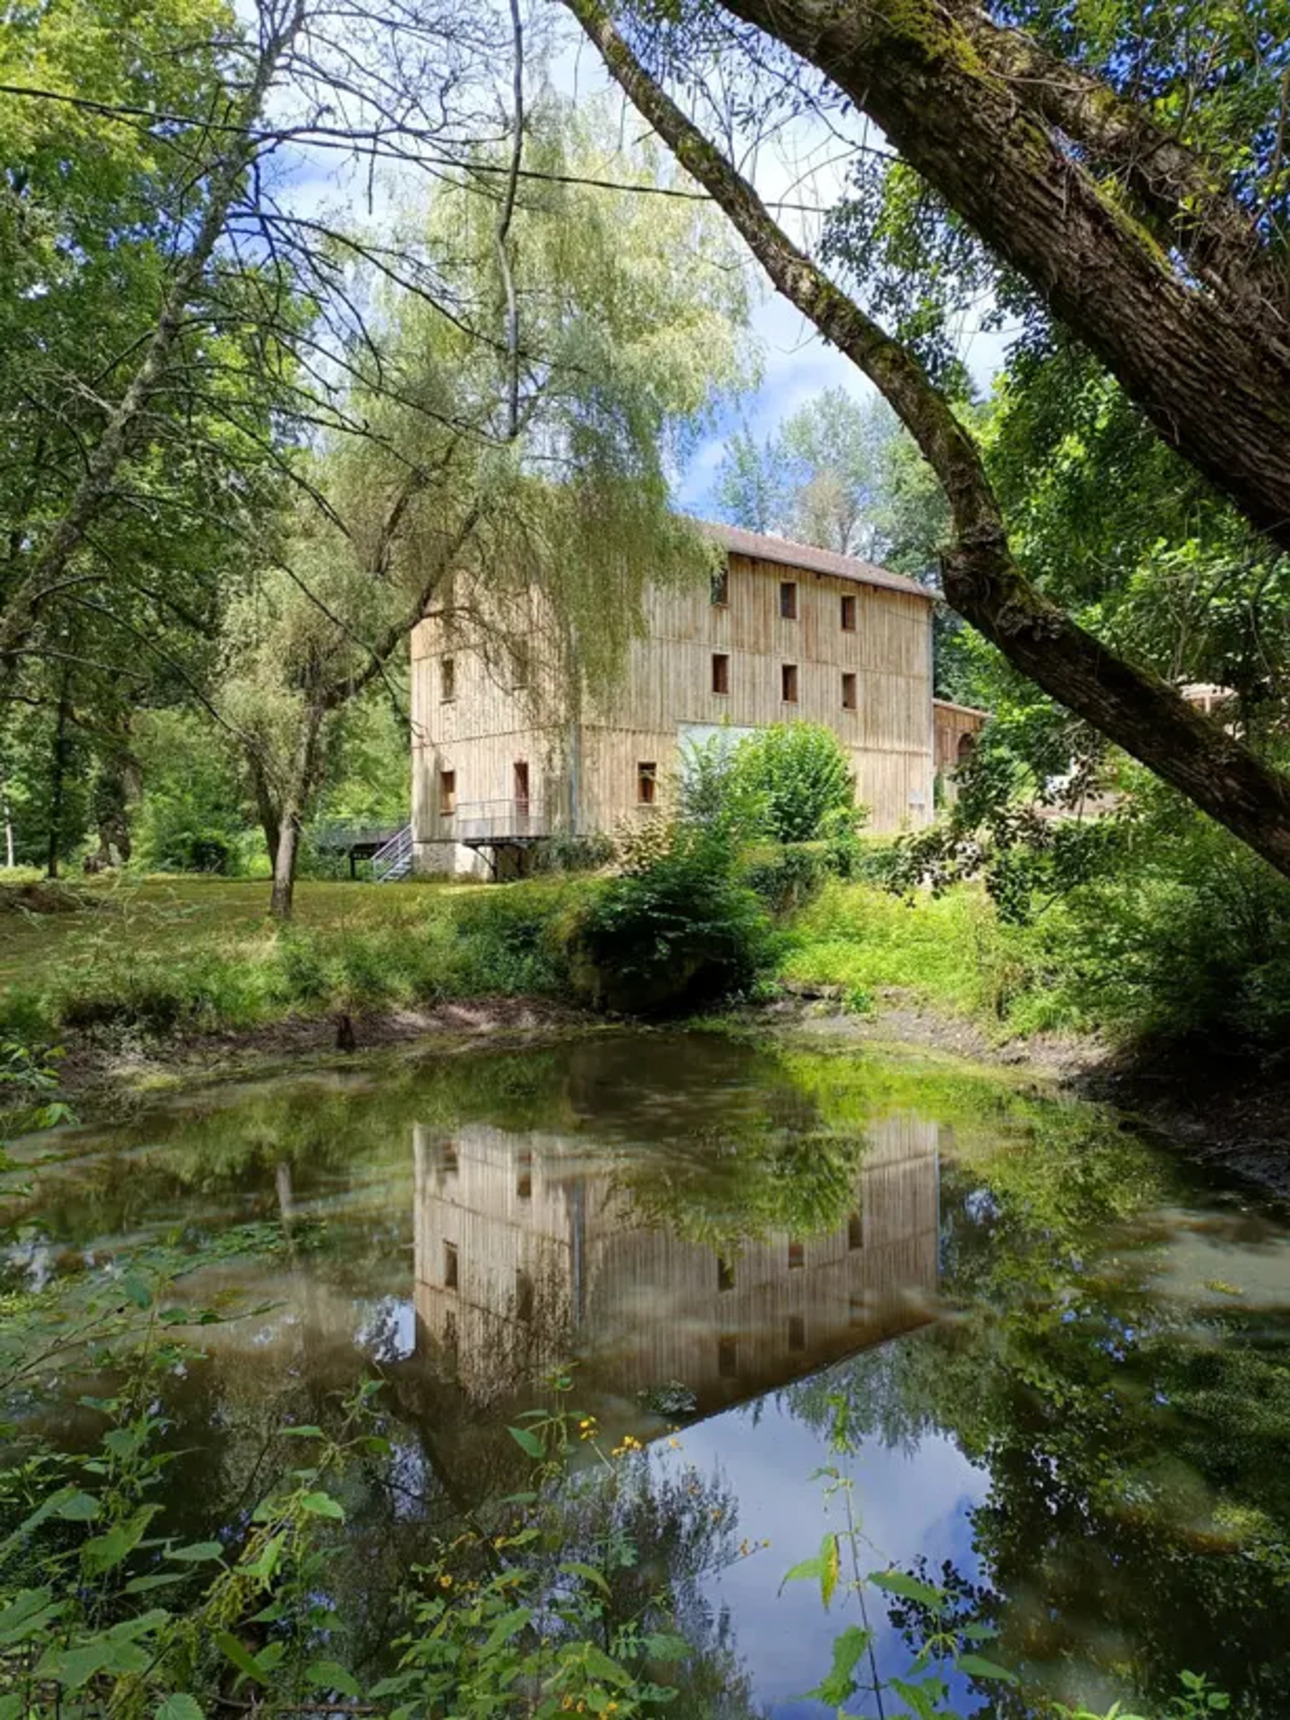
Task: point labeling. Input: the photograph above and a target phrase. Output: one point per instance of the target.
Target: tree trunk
(983, 583)
(266, 807)
(282, 897)
(295, 803)
(1201, 346)
(59, 787)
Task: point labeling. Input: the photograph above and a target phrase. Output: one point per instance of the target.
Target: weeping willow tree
(506, 465)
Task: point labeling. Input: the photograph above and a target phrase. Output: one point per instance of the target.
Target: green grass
(949, 951)
(175, 954)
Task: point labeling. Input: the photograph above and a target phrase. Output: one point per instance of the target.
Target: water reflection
(1064, 1358)
(524, 1255)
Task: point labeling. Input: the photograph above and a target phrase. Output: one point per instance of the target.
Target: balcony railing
(495, 821)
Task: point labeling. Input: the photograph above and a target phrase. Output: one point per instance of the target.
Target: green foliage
(802, 776)
(160, 974)
(680, 931)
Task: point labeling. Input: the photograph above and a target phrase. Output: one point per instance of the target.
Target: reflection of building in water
(524, 1256)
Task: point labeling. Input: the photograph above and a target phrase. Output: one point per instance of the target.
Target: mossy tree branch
(982, 581)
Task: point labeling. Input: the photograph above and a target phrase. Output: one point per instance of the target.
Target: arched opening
(967, 746)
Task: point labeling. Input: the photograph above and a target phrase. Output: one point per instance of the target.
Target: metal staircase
(393, 860)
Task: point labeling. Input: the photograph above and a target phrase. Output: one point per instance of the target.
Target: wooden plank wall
(643, 1306)
(668, 686)
(479, 734)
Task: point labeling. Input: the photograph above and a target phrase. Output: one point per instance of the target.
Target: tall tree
(516, 481)
(819, 478)
(925, 53)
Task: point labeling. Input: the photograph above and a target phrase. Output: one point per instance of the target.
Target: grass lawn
(172, 917)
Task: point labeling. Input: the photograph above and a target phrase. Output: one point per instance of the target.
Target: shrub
(677, 933)
(801, 776)
(786, 878)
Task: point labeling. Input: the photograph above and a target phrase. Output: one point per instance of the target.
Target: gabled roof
(759, 547)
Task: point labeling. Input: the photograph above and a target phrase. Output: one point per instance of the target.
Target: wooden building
(526, 1254)
(956, 729)
(787, 632)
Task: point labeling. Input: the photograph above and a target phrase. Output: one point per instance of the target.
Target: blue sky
(804, 162)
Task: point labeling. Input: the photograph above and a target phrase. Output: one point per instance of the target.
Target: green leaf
(322, 1505)
(244, 1662)
(103, 1553)
(527, 1441)
(505, 1628)
(180, 1706)
(922, 1699)
(137, 1290)
(141, 1585)
(840, 1685)
(976, 1666)
(307, 1432)
(78, 1508)
(331, 1675)
(808, 1571)
(599, 1665)
(659, 1645)
(576, 1568)
(73, 1667)
(830, 1565)
(908, 1588)
(27, 1615)
(197, 1552)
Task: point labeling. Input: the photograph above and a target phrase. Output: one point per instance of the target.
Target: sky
(806, 164)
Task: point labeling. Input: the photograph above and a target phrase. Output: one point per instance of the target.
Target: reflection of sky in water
(1095, 1273)
(908, 1503)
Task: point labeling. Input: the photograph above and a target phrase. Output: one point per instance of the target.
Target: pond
(1057, 1352)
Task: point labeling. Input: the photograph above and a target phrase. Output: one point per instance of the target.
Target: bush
(679, 932)
(786, 878)
(801, 775)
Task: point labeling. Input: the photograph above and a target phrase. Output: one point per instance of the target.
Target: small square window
(855, 1231)
(796, 1332)
(725, 1273)
(720, 672)
(721, 586)
(646, 783)
(448, 679)
(728, 1357)
(450, 1265)
(848, 614)
(848, 692)
(788, 683)
(448, 1158)
(447, 793)
(788, 600)
(796, 1256)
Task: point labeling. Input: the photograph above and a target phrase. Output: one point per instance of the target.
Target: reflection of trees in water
(1138, 1514)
